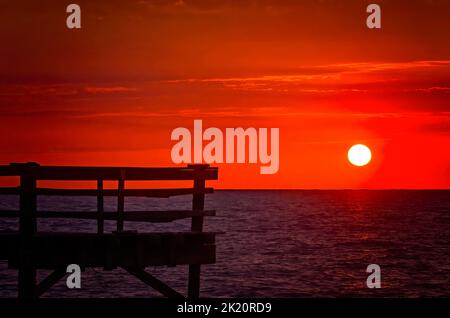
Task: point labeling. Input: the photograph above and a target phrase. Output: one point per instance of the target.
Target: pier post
(100, 206)
(27, 229)
(198, 203)
(120, 201)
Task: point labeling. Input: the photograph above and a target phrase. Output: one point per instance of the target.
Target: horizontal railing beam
(136, 216)
(111, 173)
(9, 190)
(156, 193)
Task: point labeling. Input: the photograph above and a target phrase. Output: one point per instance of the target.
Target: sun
(359, 155)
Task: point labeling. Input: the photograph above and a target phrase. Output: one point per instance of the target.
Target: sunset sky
(112, 92)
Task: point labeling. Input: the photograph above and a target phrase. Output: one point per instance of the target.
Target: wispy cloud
(62, 90)
(434, 89)
(313, 78)
(109, 90)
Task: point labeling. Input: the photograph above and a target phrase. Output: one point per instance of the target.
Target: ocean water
(284, 244)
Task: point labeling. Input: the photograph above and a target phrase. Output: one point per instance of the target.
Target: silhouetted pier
(29, 250)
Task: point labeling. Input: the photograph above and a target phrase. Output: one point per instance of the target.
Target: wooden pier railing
(29, 249)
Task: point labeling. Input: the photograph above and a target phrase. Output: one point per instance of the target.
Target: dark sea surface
(283, 244)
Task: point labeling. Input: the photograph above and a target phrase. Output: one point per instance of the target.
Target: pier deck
(29, 250)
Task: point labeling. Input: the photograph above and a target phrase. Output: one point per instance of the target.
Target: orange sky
(112, 92)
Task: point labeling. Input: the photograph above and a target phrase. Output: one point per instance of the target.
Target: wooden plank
(9, 190)
(136, 216)
(7, 171)
(14, 235)
(156, 193)
(153, 282)
(56, 250)
(16, 169)
(112, 173)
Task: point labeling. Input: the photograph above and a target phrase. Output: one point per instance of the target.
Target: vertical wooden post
(120, 201)
(27, 229)
(100, 206)
(198, 203)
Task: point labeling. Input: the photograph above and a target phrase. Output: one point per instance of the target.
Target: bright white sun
(359, 155)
